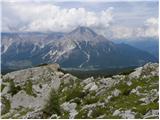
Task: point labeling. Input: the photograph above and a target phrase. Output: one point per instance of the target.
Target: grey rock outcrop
(26, 93)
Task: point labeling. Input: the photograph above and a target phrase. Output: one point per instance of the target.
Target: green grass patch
(2, 87)
(90, 100)
(82, 114)
(74, 92)
(6, 104)
(13, 89)
(28, 88)
(143, 109)
(52, 105)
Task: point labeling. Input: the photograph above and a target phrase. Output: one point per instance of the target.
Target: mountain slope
(81, 48)
(150, 45)
(46, 92)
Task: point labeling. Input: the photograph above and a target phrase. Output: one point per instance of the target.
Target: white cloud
(121, 32)
(43, 17)
(48, 17)
(152, 27)
(152, 21)
(149, 29)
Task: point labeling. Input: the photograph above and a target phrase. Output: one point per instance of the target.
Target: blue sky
(118, 19)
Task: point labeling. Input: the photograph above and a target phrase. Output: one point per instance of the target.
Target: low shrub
(28, 88)
(52, 105)
(91, 100)
(13, 89)
(74, 92)
(6, 104)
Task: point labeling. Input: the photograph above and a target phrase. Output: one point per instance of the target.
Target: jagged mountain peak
(82, 30)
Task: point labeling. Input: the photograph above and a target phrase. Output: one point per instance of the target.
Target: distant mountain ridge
(81, 48)
(148, 44)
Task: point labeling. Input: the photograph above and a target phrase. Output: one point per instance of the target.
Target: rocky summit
(47, 92)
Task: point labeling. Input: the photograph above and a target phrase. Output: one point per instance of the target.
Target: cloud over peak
(114, 21)
(49, 17)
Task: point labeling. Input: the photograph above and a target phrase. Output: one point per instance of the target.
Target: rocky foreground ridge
(46, 92)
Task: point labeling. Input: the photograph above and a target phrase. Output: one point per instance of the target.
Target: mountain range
(81, 48)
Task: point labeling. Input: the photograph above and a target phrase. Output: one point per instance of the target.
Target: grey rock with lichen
(117, 96)
(116, 92)
(152, 114)
(71, 108)
(34, 115)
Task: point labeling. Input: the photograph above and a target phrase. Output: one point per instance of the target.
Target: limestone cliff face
(47, 92)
